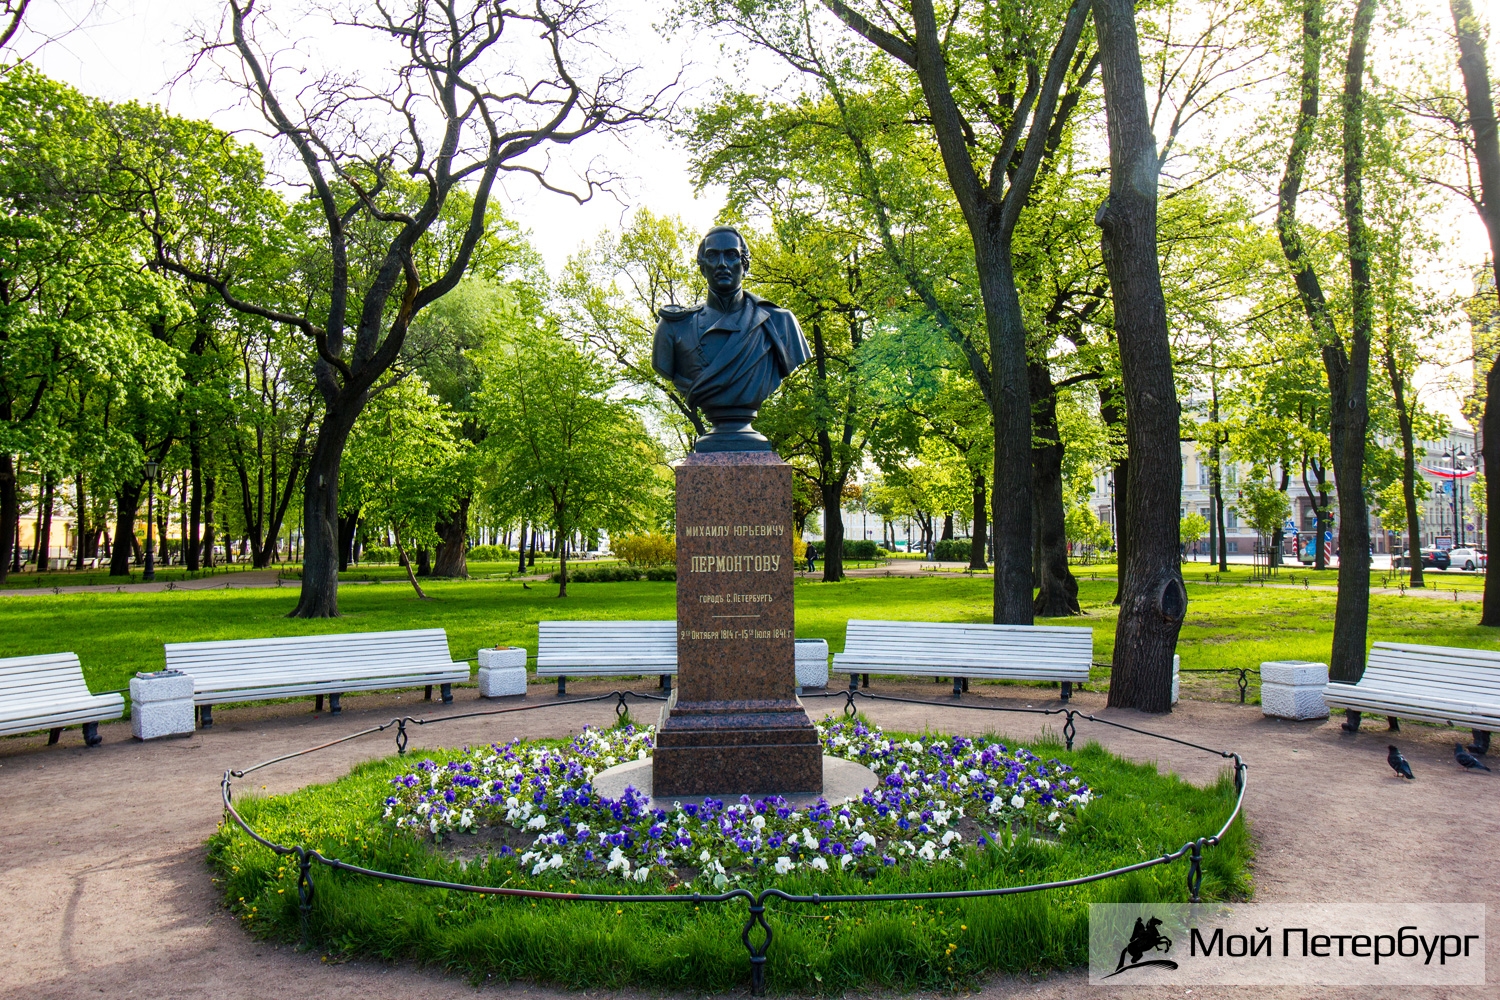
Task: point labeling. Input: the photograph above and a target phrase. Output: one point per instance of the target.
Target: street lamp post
(1457, 462)
(151, 469)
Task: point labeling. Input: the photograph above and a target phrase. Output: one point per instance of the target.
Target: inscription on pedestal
(735, 724)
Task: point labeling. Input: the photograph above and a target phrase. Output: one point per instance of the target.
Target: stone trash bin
(161, 704)
(1293, 689)
(502, 672)
(812, 663)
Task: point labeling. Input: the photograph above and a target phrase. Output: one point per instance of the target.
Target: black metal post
(149, 573)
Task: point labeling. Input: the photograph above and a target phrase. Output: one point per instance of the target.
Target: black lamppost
(1456, 462)
(151, 470)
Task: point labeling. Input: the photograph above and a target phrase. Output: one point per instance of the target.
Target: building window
(1234, 547)
(1231, 520)
(1202, 473)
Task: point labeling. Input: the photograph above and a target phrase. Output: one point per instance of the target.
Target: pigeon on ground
(1467, 759)
(1399, 765)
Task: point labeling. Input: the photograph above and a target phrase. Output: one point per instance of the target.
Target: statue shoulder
(672, 312)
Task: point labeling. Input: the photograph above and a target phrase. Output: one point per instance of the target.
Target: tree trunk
(424, 561)
(401, 553)
(348, 527)
(976, 544)
(1154, 600)
(1408, 463)
(833, 532)
(1348, 381)
(210, 485)
(562, 560)
(44, 524)
(1011, 397)
(1057, 590)
(192, 541)
(1476, 74)
(127, 500)
(320, 513)
(947, 527)
(80, 500)
(453, 552)
(521, 549)
(1111, 411)
(10, 514)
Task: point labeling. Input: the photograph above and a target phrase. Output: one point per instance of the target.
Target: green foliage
(378, 554)
(952, 550)
(1262, 505)
(600, 574)
(1192, 527)
(645, 550)
(861, 548)
(489, 553)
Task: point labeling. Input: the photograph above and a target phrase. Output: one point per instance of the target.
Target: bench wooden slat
(592, 648)
(228, 670)
(1444, 684)
(961, 649)
(49, 692)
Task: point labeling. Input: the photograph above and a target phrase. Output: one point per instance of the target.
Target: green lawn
(1227, 626)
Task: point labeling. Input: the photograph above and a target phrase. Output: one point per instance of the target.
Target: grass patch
(1227, 626)
(825, 949)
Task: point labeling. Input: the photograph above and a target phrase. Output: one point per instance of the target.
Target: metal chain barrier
(308, 856)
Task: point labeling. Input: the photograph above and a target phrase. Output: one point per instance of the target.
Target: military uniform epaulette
(672, 312)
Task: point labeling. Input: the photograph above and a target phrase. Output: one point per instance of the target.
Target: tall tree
(459, 110)
(1486, 151)
(1346, 361)
(1154, 600)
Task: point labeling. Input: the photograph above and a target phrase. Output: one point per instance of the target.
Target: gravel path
(104, 890)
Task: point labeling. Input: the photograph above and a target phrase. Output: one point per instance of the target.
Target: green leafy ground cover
(1138, 813)
(1227, 626)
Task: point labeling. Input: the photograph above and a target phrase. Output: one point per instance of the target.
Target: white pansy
(951, 836)
(819, 863)
(642, 874)
(1017, 802)
(846, 861)
(783, 865)
(759, 822)
(1052, 816)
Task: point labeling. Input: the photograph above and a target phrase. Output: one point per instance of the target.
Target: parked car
(1467, 558)
(1431, 559)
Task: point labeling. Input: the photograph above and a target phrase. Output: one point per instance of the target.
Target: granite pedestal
(734, 725)
(812, 663)
(1293, 689)
(502, 672)
(161, 704)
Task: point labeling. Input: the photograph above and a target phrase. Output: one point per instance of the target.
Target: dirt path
(104, 890)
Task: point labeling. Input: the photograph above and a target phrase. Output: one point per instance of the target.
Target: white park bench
(48, 692)
(961, 651)
(606, 649)
(1443, 684)
(256, 669)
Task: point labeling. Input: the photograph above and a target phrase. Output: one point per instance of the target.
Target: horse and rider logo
(1147, 937)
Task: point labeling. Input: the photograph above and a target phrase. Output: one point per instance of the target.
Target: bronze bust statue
(731, 352)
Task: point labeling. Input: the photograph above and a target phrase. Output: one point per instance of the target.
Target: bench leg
(958, 686)
(1067, 690)
(334, 708)
(427, 694)
(91, 735)
(562, 686)
(205, 716)
(317, 703)
(854, 682)
(1481, 744)
(666, 683)
(54, 736)
(447, 694)
(1351, 721)
(1392, 724)
(864, 680)
(966, 684)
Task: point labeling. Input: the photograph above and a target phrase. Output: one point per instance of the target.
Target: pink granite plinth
(735, 724)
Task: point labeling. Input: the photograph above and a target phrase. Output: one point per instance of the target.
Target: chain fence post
(757, 952)
(304, 889)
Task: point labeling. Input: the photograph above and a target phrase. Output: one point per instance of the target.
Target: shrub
(860, 548)
(600, 574)
(646, 550)
(378, 554)
(662, 574)
(489, 553)
(953, 550)
(881, 553)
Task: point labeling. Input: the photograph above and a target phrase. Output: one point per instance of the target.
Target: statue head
(724, 259)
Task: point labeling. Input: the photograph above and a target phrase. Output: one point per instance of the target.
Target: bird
(1399, 765)
(1467, 759)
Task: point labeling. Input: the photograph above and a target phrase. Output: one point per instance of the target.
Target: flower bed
(933, 799)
